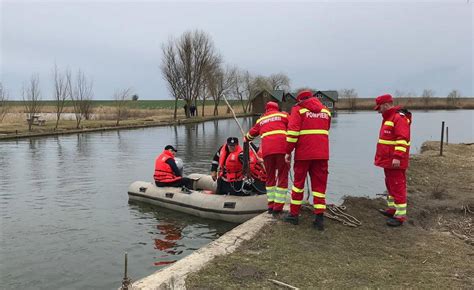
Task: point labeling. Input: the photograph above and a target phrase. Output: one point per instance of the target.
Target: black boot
(270, 210)
(319, 222)
(277, 214)
(386, 213)
(291, 219)
(393, 222)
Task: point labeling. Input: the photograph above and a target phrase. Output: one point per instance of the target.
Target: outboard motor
(179, 164)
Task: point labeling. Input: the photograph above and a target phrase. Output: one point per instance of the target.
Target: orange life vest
(164, 172)
(256, 169)
(230, 167)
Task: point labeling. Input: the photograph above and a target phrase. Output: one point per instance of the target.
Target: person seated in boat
(228, 161)
(167, 172)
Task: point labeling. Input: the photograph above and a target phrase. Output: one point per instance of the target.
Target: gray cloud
(372, 47)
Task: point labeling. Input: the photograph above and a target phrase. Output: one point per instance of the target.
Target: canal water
(65, 220)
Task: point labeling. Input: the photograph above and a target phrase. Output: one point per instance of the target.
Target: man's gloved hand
(214, 175)
(288, 158)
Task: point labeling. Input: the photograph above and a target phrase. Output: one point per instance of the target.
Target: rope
(337, 213)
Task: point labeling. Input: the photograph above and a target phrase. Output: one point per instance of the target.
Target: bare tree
(279, 81)
(240, 89)
(184, 64)
(122, 99)
(31, 99)
(60, 93)
(220, 84)
(3, 102)
(351, 96)
(453, 98)
(426, 96)
(80, 94)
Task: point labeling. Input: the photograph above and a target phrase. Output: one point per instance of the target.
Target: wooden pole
(442, 140)
(447, 135)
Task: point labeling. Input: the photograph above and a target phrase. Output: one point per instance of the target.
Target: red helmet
(271, 105)
(383, 99)
(303, 95)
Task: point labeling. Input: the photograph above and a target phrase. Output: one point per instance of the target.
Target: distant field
(140, 104)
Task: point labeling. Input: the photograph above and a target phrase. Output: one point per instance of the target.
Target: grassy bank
(434, 248)
(409, 103)
(14, 125)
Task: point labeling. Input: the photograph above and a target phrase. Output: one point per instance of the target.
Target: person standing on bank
(167, 172)
(308, 135)
(393, 151)
(272, 129)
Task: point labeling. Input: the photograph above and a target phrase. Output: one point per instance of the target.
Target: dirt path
(423, 253)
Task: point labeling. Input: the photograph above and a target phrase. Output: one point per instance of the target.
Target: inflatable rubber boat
(201, 201)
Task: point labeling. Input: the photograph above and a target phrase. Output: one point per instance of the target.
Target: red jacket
(394, 138)
(163, 172)
(230, 167)
(308, 130)
(272, 128)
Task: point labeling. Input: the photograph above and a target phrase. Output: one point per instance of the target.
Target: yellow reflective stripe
(387, 142)
(296, 202)
(314, 132)
(281, 189)
(270, 187)
(389, 123)
(402, 205)
(304, 110)
(249, 137)
(326, 111)
(320, 206)
(402, 142)
(270, 116)
(280, 195)
(319, 194)
(396, 142)
(296, 189)
(274, 132)
(293, 133)
(291, 140)
(391, 204)
(399, 148)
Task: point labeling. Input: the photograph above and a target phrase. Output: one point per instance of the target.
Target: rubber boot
(270, 210)
(277, 214)
(386, 213)
(393, 222)
(318, 222)
(291, 219)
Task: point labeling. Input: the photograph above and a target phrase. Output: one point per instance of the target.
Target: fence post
(442, 140)
(447, 135)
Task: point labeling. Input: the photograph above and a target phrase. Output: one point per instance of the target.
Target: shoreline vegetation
(435, 246)
(150, 113)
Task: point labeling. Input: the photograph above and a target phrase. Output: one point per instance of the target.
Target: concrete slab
(174, 276)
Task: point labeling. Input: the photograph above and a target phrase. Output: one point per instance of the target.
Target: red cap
(383, 99)
(303, 95)
(270, 106)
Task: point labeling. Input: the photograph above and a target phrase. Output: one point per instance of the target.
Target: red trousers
(277, 180)
(395, 180)
(318, 172)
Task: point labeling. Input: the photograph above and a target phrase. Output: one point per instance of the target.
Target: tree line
(427, 97)
(194, 70)
(77, 89)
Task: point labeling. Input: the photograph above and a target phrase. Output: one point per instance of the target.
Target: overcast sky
(372, 47)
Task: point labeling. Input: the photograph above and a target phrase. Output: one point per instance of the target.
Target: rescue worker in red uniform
(308, 135)
(271, 127)
(393, 151)
(166, 171)
(227, 169)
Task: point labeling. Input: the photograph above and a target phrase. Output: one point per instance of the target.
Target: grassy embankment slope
(140, 113)
(434, 249)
